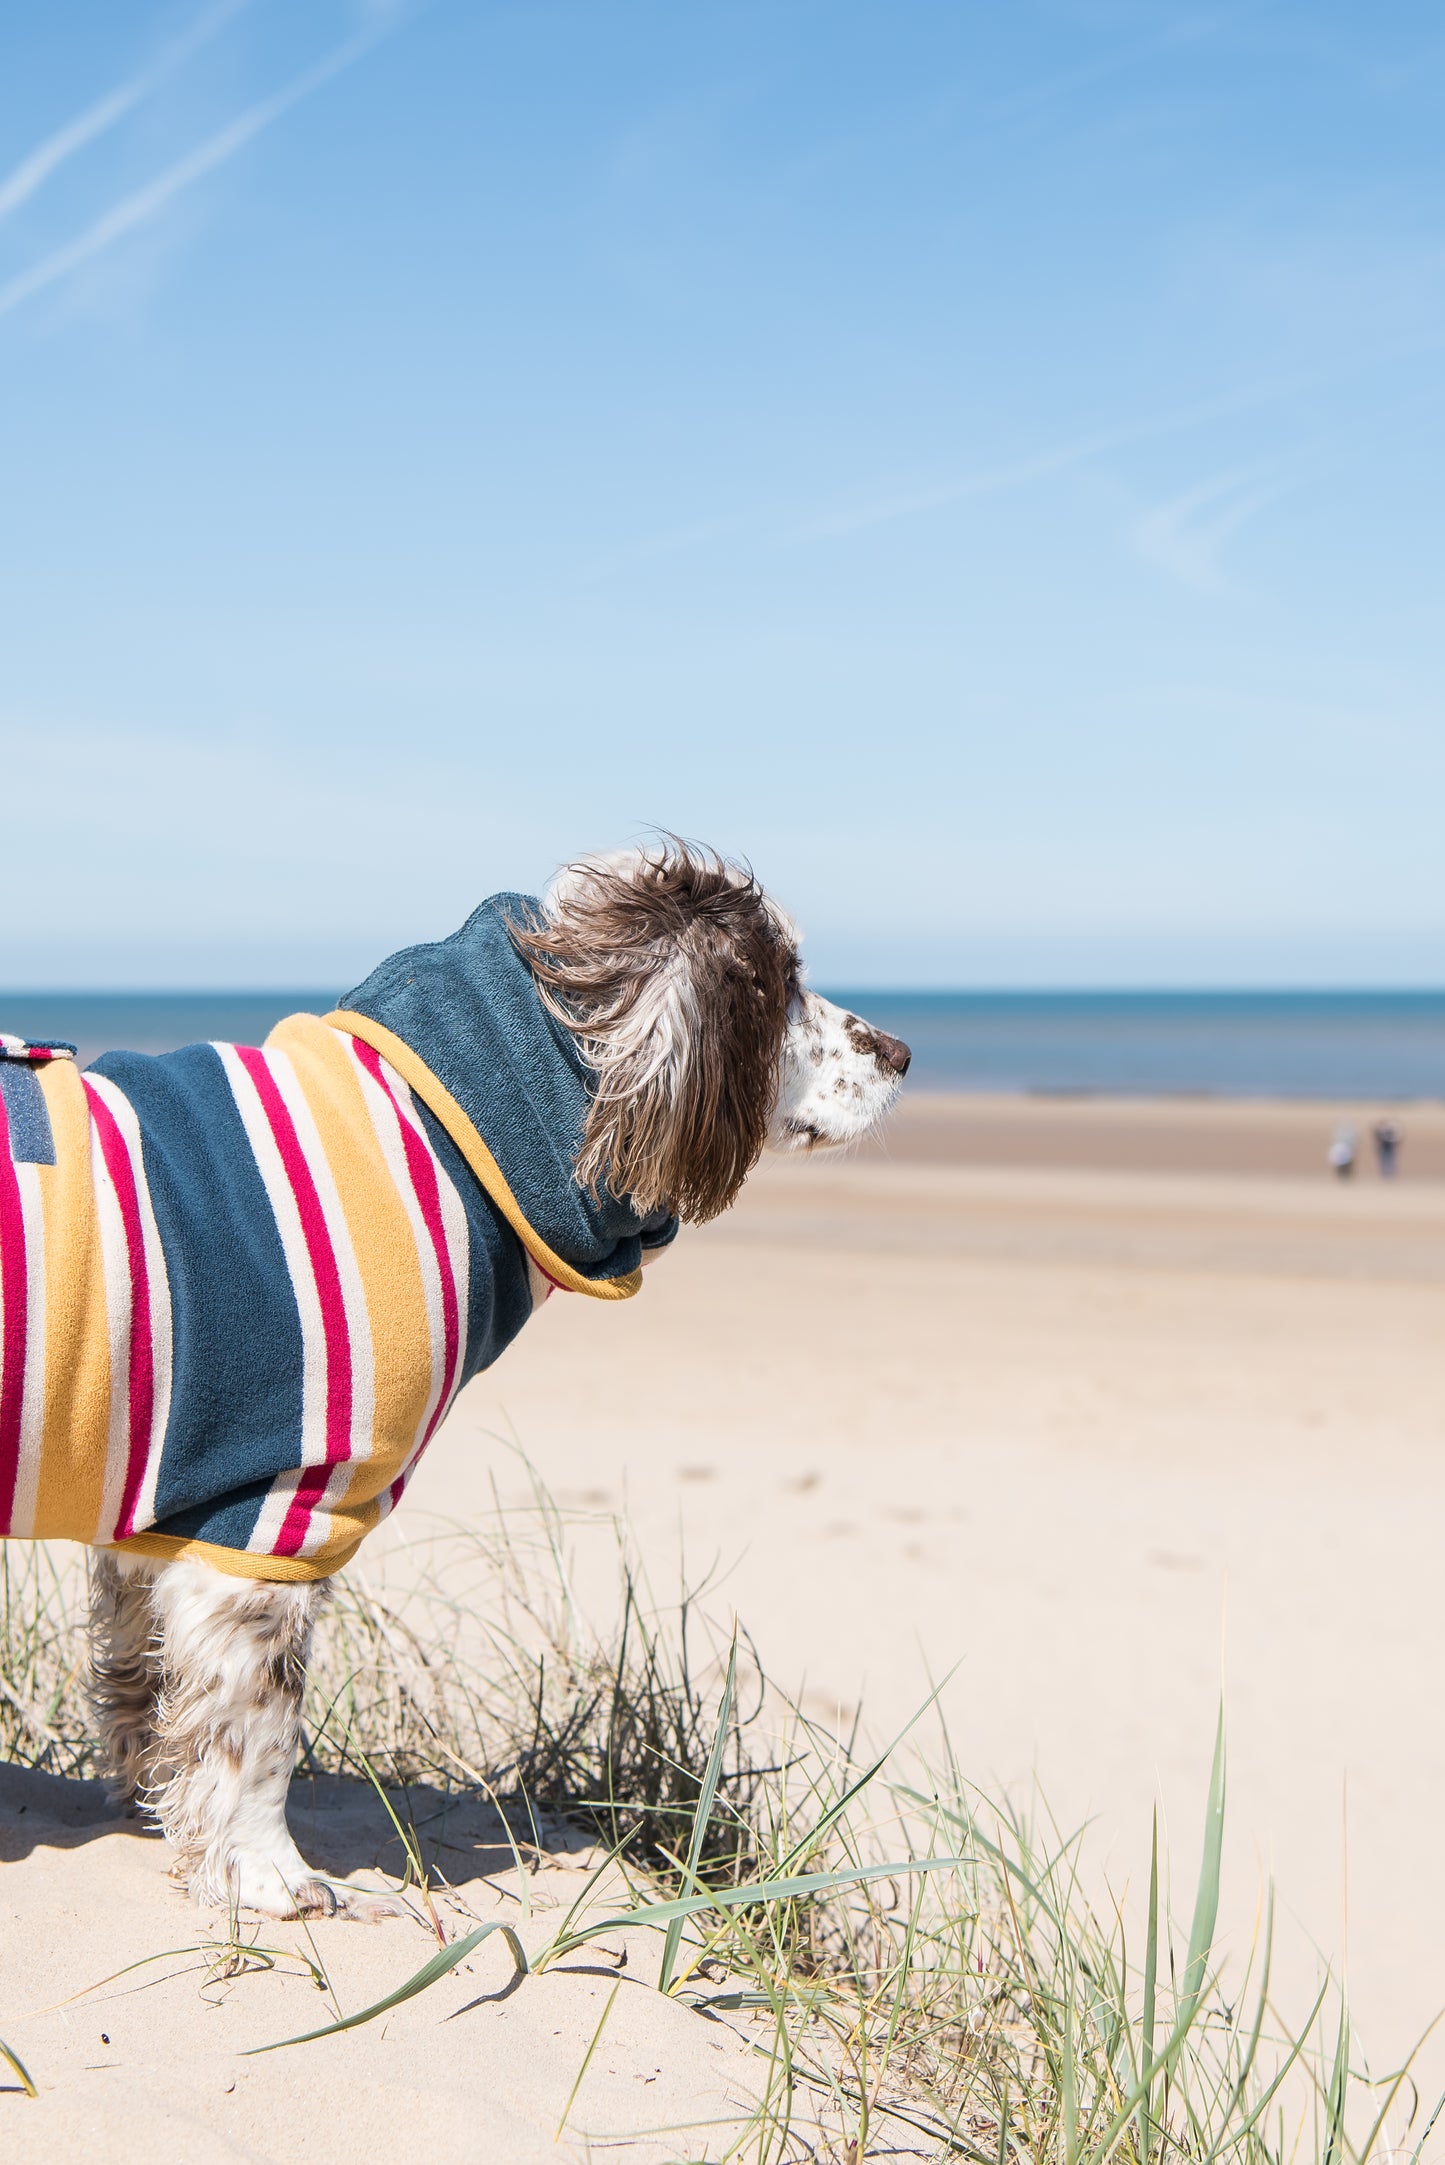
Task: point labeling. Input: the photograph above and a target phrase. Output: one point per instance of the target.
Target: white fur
(832, 1086)
(196, 1675)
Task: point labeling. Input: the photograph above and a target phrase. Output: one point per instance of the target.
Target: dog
(240, 1287)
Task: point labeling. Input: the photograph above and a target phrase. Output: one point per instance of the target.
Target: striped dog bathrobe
(240, 1286)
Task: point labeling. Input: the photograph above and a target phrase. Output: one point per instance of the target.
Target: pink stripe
(14, 1293)
(420, 1165)
(142, 1358)
(322, 1258)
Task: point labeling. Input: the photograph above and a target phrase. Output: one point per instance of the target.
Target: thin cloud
(145, 204)
(1020, 473)
(1185, 537)
(1039, 465)
(32, 173)
(1060, 458)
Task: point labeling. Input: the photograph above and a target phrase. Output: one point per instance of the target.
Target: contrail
(146, 203)
(1040, 465)
(34, 171)
(1185, 536)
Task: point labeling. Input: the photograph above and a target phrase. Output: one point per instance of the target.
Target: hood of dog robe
(468, 1012)
(240, 1287)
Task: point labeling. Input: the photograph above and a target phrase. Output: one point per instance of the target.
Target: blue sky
(984, 463)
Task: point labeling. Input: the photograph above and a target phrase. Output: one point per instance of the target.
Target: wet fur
(682, 983)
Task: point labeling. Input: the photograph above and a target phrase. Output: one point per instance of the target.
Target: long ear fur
(674, 972)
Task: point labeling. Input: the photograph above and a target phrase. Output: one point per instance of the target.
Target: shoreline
(1274, 1137)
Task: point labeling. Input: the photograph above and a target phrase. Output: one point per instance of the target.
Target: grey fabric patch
(26, 1115)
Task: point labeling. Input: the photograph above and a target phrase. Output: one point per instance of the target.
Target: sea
(1377, 1045)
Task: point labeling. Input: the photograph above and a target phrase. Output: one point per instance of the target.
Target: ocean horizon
(1298, 1044)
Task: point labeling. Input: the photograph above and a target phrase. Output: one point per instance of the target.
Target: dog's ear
(674, 972)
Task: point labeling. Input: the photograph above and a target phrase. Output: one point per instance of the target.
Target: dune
(152, 2065)
(1103, 1404)
(1112, 1405)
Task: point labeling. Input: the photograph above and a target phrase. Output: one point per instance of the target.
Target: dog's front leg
(228, 1722)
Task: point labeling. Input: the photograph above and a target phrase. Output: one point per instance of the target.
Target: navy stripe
(229, 1521)
(235, 1416)
(26, 1115)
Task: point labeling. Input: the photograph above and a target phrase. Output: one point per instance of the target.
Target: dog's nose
(893, 1053)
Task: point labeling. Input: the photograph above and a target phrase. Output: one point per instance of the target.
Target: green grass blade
(586, 2061)
(264, 1957)
(1339, 2084)
(20, 2068)
(1429, 2130)
(429, 1974)
(1149, 2074)
(1246, 2127)
(656, 1914)
(1262, 1997)
(1069, 2087)
(1151, 1983)
(706, 1796)
(1206, 1900)
(840, 1804)
(1034, 1884)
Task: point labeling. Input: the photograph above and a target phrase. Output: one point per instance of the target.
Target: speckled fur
(196, 1679)
(124, 1670)
(837, 1079)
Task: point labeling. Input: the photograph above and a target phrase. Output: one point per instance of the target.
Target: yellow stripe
(386, 1258)
(237, 1563)
(77, 1331)
(436, 1096)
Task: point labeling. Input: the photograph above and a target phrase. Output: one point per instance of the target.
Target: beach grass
(919, 1969)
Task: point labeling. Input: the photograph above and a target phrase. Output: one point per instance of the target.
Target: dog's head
(682, 983)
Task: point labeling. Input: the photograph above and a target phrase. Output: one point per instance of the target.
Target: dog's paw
(264, 1885)
(325, 1898)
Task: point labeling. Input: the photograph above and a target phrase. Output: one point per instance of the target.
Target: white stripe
(159, 1290)
(353, 1301)
(115, 1269)
(456, 1237)
(459, 1253)
(274, 1511)
(32, 1383)
(272, 1515)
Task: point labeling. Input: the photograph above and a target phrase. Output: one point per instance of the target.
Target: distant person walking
(1388, 1139)
(1342, 1151)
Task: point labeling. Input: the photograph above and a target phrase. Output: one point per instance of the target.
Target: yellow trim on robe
(236, 1563)
(439, 1100)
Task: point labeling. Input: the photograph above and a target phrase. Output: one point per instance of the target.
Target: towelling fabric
(240, 1286)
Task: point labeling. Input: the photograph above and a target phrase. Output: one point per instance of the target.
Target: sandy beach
(1100, 1402)
(679, 573)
